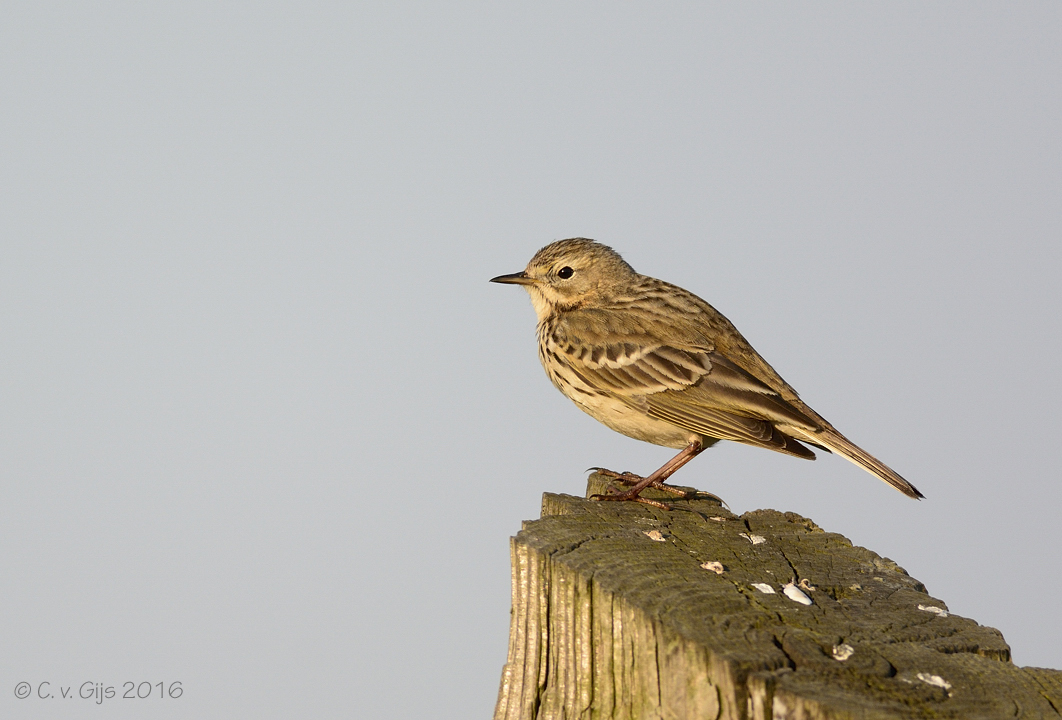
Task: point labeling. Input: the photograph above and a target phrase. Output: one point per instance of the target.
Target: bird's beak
(520, 278)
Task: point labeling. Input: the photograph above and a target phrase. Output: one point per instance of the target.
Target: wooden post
(621, 610)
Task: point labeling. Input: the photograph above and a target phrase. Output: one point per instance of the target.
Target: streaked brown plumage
(657, 363)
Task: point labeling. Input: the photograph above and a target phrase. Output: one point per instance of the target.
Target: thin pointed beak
(520, 278)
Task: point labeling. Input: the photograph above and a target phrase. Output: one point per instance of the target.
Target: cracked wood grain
(609, 623)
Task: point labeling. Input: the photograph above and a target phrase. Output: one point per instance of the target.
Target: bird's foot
(630, 479)
(615, 494)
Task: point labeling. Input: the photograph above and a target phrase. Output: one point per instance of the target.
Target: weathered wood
(614, 616)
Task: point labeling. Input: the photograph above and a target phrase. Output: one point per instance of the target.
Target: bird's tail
(838, 443)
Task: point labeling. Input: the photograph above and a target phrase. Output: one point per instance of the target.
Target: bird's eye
(565, 272)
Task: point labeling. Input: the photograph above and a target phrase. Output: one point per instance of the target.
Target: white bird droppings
(934, 680)
(796, 594)
(714, 565)
(934, 609)
(764, 588)
(842, 652)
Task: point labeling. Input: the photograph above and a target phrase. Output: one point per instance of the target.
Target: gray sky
(267, 428)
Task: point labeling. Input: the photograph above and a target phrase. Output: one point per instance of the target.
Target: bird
(657, 363)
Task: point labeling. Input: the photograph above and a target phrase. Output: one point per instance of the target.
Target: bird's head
(570, 273)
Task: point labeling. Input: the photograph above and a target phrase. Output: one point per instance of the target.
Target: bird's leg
(655, 480)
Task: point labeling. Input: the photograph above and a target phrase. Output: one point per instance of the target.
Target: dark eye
(565, 272)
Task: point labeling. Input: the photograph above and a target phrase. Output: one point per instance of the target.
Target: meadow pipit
(657, 363)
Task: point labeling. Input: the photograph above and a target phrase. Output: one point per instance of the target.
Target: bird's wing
(693, 387)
